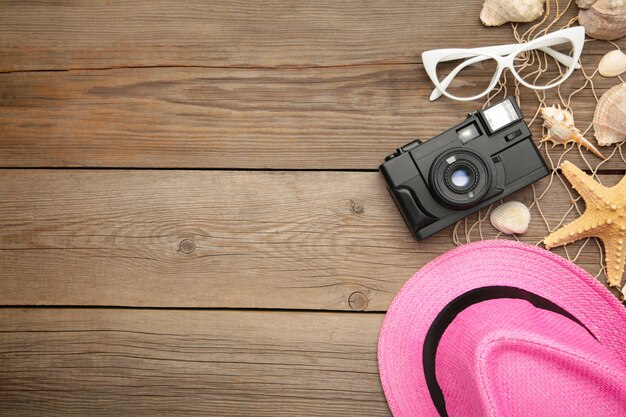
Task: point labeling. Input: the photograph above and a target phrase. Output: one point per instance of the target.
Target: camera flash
(501, 115)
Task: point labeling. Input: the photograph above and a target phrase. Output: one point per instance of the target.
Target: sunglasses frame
(504, 56)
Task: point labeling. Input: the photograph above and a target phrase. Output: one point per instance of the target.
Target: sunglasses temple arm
(507, 49)
(494, 50)
(500, 50)
(543, 45)
(561, 57)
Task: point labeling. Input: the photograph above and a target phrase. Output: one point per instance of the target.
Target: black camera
(487, 157)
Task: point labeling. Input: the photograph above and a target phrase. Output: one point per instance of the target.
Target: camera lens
(459, 178)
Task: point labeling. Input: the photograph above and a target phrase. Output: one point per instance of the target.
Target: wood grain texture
(289, 240)
(234, 84)
(340, 118)
(237, 84)
(206, 363)
(80, 35)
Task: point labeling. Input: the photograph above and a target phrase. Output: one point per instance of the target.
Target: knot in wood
(187, 246)
(358, 301)
(357, 207)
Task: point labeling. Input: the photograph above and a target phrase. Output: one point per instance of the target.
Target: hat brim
(477, 265)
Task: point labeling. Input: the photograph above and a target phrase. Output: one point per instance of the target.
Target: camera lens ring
(464, 196)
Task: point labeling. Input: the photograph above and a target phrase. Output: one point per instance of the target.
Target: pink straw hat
(502, 328)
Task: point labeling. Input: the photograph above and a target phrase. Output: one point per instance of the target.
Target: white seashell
(609, 118)
(603, 19)
(499, 12)
(510, 218)
(612, 64)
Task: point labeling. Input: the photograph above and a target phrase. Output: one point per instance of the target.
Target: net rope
(473, 228)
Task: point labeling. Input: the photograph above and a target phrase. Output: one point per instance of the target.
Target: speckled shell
(609, 118)
(499, 12)
(510, 218)
(561, 129)
(612, 64)
(603, 19)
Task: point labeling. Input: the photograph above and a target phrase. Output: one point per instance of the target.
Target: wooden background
(191, 221)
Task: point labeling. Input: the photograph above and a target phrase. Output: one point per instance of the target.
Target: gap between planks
(157, 308)
(216, 67)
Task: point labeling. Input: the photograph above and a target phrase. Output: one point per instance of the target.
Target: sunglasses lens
(539, 68)
(467, 76)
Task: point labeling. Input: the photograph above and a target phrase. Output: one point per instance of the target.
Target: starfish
(604, 218)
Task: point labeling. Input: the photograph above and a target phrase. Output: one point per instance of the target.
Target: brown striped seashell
(609, 118)
(603, 19)
(561, 130)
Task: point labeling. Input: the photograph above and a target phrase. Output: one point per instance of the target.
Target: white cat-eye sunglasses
(462, 74)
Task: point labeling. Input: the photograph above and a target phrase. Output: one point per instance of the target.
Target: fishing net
(477, 227)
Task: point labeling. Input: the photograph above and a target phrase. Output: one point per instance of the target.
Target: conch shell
(603, 19)
(499, 12)
(561, 129)
(609, 118)
(511, 217)
(612, 64)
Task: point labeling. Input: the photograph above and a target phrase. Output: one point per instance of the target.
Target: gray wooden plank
(323, 118)
(294, 240)
(111, 362)
(133, 33)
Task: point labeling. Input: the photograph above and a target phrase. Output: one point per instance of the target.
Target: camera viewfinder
(468, 133)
